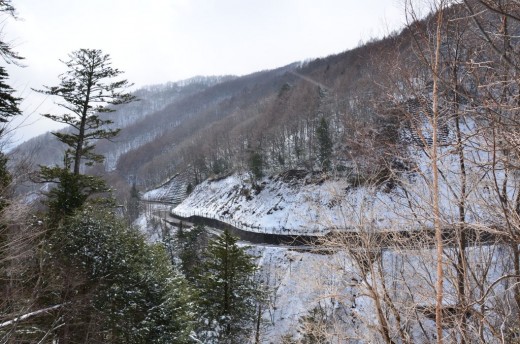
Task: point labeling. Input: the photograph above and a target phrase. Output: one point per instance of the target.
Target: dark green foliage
(9, 106)
(227, 292)
(133, 204)
(286, 87)
(281, 160)
(325, 144)
(191, 244)
(126, 290)
(256, 164)
(87, 92)
(8, 102)
(5, 181)
(220, 166)
(71, 190)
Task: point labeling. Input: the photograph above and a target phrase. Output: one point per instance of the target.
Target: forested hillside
(271, 114)
(400, 157)
(217, 125)
(420, 156)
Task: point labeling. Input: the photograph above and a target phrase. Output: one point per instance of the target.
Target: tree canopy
(87, 91)
(227, 291)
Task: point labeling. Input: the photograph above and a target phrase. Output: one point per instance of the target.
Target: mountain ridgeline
(214, 125)
(268, 121)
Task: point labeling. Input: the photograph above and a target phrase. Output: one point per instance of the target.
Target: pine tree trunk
(81, 134)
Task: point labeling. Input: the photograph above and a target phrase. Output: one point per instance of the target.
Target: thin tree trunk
(81, 134)
(461, 263)
(436, 210)
(461, 237)
(258, 322)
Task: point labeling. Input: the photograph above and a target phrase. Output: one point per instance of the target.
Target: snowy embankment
(172, 191)
(299, 282)
(335, 286)
(305, 204)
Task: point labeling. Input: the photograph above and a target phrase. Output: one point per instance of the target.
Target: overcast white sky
(156, 41)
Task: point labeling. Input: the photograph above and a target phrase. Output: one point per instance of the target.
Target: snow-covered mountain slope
(308, 203)
(300, 282)
(292, 203)
(172, 191)
(335, 292)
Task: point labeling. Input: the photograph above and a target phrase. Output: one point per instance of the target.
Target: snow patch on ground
(298, 282)
(150, 222)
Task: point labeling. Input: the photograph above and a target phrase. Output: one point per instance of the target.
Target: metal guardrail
(404, 238)
(249, 228)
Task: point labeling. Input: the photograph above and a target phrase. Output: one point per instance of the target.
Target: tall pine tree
(190, 245)
(88, 92)
(228, 294)
(256, 164)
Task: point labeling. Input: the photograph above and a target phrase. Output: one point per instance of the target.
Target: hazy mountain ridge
(211, 125)
(214, 125)
(151, 99)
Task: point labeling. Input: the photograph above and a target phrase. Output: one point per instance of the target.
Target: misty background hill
(207, 126)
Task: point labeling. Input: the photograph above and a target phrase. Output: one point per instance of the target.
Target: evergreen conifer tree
(9, 104)
(88, 92)
(256, 164)
(133, 204)
(227, 291)
(119, 288)
(190, 246)
(325, 144)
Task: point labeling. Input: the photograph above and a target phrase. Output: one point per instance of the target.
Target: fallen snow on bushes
(299, 282)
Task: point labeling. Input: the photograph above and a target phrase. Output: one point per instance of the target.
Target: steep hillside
(214, 125)
(272, 113)
(173, 191)
(46, 150)
(293, 203)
